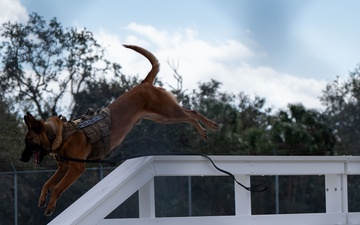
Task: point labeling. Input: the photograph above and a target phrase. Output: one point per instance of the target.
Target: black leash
(256, 188)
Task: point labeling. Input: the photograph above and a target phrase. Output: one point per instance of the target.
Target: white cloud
(12, 10)
(200, 61)
(184, 40)
(277, 88)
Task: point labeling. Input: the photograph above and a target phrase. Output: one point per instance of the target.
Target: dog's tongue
(36, 158)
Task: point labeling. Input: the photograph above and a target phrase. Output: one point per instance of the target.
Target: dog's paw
(42, 203)
(49, 211)
(214, 126)
(204, 136)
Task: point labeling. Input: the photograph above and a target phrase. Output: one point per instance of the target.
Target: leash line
(255, 188)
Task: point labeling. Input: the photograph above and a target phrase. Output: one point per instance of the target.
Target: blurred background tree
(342, 102)
(301, 131)
(11, 135)
(42, 62)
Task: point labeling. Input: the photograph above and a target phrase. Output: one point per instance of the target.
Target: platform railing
(138, 175)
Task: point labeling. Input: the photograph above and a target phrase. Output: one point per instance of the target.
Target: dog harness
(96, 127)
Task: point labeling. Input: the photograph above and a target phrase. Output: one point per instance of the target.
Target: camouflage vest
(96, 127)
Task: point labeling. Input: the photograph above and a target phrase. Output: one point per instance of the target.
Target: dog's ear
(32, 123)
(27, 119)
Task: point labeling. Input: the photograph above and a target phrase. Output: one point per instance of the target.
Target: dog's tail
(153, 60)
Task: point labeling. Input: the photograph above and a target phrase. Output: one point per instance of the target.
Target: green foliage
(101, 93)
(42, 62)
(11, 136)
(342, 102)
(300, 131)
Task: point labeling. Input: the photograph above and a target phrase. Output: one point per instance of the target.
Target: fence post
(15, 196)
(147, 200)
(333, 193)
(242, 196)
(189, 196)
(101, 172)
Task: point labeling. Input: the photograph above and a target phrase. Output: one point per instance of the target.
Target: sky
(283, 51)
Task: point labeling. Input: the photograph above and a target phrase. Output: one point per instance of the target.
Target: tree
(44, 63)
(301, 131)
(255, 121)
(342, 102)
(98, 94)
(11, 136)
(240, 118)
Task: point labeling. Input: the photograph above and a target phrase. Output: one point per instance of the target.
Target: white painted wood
(285, 219)
(354, 218)
(147, 200)
(109, 193)
(263, 165)
(333, 192)
(138, 174)
(344, 194)
(242, 196)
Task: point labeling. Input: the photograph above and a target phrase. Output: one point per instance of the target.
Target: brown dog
(143, 101)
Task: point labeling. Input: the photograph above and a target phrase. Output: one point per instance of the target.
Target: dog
(144, 101)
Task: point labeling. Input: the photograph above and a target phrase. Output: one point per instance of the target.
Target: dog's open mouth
(36, 158)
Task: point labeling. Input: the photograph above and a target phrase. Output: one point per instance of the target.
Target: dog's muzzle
(35, 151)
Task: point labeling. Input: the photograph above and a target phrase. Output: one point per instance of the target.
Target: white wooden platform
(138, 175)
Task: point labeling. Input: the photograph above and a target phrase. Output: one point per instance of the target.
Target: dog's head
(37, 143)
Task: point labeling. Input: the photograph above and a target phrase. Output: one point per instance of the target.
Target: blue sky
(284, 51)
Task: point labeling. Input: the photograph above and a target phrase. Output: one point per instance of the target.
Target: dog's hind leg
(186, 116)
(50, 184)
(198, 116)
(72, 174)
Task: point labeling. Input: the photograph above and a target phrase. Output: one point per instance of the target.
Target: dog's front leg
(72, 174)
(50, 184)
